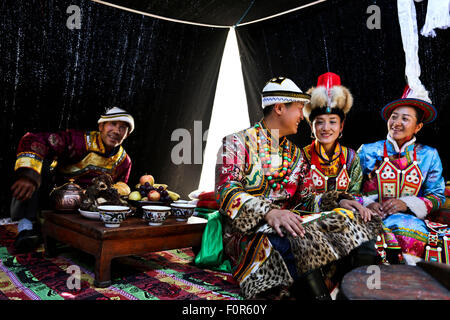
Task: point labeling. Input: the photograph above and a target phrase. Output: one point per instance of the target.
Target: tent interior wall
(165, 74)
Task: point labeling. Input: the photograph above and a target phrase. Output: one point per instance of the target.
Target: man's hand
(23, 189)
(354, 205)
(292, 222)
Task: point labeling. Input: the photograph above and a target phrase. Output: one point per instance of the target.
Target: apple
(135, 195)
(147, 178)
(153, 195)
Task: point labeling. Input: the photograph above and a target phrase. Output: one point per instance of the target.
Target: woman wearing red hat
(333, 166)
(403, 182)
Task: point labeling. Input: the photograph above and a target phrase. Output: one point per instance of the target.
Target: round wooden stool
(392, 282)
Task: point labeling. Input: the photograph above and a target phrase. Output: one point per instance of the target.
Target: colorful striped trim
(247, 263)
(289, 94)
(411, 233)
(435, 201)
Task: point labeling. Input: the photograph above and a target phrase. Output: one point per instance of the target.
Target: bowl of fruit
(147, 192)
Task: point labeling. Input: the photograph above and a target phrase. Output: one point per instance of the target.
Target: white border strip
(204, 24)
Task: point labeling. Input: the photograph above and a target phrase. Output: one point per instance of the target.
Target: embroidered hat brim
(429, 111)
(269, 98)
(282, 90)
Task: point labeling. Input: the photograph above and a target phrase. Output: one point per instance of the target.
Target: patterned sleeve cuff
(233, 202)
(251, 214)
(29, 160)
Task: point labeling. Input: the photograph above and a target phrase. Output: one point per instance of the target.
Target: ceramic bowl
(155, 215)
(94, 215)
(182, 211)
(112, 216)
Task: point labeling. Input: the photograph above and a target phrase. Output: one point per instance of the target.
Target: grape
(147, 184)
(160, 188)
(143, 193)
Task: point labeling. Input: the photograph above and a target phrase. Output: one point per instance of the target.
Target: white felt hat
(282, 90)
(117, 114)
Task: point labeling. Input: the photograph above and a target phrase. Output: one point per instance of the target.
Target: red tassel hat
(328, 97)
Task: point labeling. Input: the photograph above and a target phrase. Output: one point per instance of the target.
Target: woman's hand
(377, 209)
(292, 222)
(354, 205)
(392, 206)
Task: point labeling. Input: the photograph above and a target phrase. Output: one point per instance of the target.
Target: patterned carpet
(165, 275)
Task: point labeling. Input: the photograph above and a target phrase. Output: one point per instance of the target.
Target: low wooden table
(396, 282)
(134, 236)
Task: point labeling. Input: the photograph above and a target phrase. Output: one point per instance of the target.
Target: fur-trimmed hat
(117, 114)
(282, 90)
(328, 97)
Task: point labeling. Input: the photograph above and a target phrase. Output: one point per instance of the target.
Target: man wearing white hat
(261, 177)
(76, 154)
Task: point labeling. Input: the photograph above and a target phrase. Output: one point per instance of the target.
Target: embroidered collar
(95, 143)
(320, 150)
(404, 146)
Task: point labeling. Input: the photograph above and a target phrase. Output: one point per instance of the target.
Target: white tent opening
(230, 111)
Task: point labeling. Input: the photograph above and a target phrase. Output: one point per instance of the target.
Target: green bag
(211, 251)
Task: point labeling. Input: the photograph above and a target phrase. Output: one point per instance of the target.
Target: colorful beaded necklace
(270, 173)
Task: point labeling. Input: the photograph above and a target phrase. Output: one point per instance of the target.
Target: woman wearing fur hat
(403, 181)
(333, 166)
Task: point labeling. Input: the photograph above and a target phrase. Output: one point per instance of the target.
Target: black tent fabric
(333, 36)
(55, 78)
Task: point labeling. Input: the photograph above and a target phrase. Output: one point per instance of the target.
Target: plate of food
(94, 215)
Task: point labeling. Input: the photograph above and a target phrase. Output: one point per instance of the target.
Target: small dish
(94, 215)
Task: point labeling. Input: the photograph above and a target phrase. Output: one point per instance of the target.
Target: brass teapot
(67, 197)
